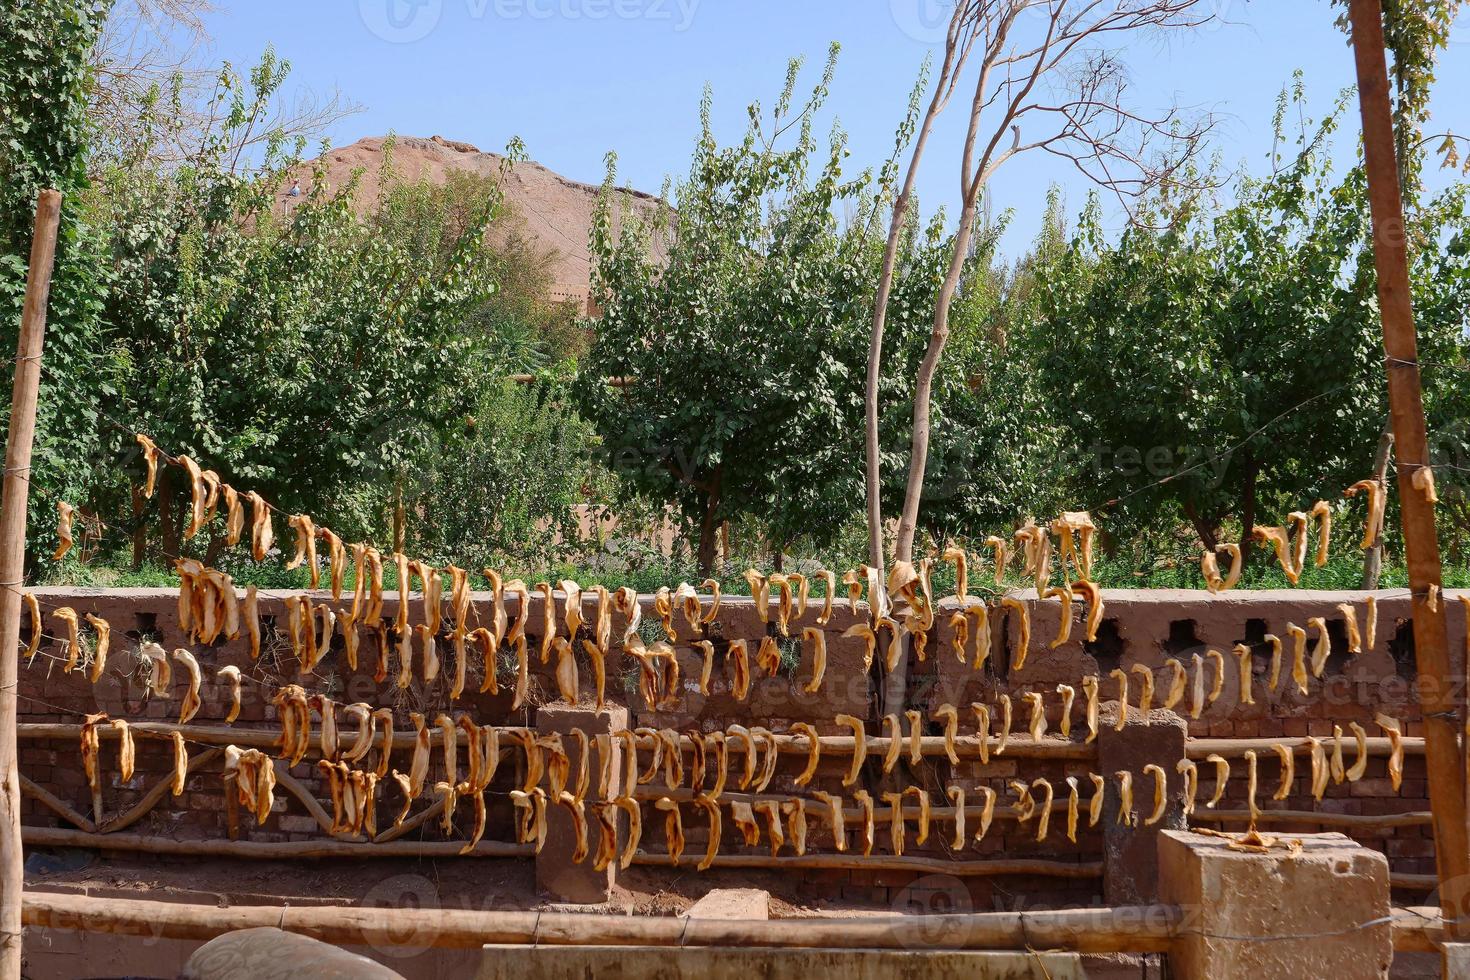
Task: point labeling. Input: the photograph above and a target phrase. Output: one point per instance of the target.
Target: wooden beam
(1321, 818)
(14, 497)
(1438, 688)
(886, 862)
(1141, 929)
(265, 850)
(1236, 748)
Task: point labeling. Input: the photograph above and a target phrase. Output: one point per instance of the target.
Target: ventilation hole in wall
(1255, 638)
(1401, 648)
(145, 626)
(1337, 660)
(1108, 648)
(1182, 639)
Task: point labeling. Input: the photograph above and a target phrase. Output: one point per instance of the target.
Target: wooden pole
(1442, 722)
(1134, 929)
(13, 499)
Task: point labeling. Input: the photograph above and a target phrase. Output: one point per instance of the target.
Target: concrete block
(555, 873)
(1319, 912)
(732, 903)
(1131, 853)
(721, 963)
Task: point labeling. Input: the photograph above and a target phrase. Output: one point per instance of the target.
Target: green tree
(44, 82)
(733, 348)
(299, 349)
(1225, 366)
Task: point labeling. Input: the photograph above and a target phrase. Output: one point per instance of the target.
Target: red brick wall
(1144, 624)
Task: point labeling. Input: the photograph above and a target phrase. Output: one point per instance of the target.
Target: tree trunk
(1373, 557)
(919, 456)
(955, 55)
(1208, 530)
(778, 558)
(168, 522)
(709, 528)
(1248, 505)
(399, 521)
(140, 528)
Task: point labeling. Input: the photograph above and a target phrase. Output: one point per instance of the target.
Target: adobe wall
(1139, 627)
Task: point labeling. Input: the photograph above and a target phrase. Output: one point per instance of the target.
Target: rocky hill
(550, 210)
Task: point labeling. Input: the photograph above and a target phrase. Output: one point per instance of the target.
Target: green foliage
(737, 388)
(299, 349)
(748, 346)
(1215, 366)
(44, 47)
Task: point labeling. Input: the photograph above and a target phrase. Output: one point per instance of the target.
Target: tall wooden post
(12, 567)
(1442, 716)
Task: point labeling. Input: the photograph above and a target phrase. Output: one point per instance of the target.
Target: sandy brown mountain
(552, 211)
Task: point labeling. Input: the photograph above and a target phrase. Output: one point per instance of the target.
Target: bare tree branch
(1046, 83)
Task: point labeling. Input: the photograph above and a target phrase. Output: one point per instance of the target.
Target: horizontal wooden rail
(1236, 748)
(265, 850)
(1360, 821)
(1132, 929)
(886, 862)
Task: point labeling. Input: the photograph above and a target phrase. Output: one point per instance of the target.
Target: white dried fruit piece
(1072, 804)
(957, 556)
(1288, 771)
(1243, 671)
(1210, 568)
(1069, 695)
(836, 818)
(231, 676)
(987, 812)
(192, 702)
(1394, 731)
(1161, 797)
(982, 731)
(1320, 771)
(1064, 629)
(1090, 593)
(1090, 691)
(1370, 629)
(1222, 776)
(1178, 679)
(1423, 481)
(1121, 676)
(865, 801)
(1273, 677)
(1360, 761)
(1044, 807)
(951, 718)
(1190, 772)
(1323, 647)
(818, 640)
(1322, 513)
(1376, 502)
(1126, 816)
(1023, 644)
(1145, 687)
(1038, 714)
(859, 747)
(1005, 724)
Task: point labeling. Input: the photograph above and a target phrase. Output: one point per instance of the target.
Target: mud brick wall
(1151, 626)
(1138, 627)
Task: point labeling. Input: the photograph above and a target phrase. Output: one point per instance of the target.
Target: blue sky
(576, 78)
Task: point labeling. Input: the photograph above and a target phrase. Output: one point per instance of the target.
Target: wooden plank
(14, 498)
